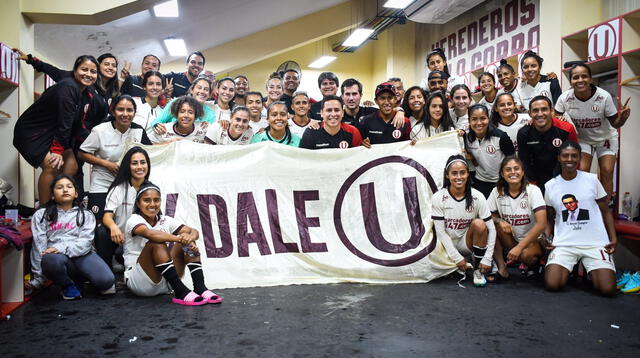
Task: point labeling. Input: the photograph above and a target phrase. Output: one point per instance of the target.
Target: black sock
(168, 271)
(478, 254)
(197, 277)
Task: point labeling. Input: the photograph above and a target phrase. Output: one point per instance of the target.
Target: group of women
(487, 207)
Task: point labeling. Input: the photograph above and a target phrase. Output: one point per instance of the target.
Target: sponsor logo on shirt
(457, 224)
(375, 132)
(322, 145)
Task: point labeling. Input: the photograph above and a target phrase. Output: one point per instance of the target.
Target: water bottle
(627, 205)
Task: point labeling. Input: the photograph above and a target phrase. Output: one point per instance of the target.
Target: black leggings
(106, 248)
(484, 187)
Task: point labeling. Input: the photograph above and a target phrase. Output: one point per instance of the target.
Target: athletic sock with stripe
(168, 271)
(197, 277)
(478, 254)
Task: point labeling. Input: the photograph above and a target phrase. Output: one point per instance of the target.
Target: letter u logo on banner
(604, 40)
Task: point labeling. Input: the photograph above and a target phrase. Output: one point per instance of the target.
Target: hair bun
(503, 62)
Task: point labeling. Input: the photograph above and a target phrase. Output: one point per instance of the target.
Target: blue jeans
(62, 270)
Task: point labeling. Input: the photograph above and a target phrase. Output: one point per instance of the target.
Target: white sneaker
(478, 278)
(109, 291)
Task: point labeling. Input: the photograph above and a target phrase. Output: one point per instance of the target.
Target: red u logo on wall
(603, 40)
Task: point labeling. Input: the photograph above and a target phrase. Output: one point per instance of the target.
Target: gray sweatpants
(63, 270)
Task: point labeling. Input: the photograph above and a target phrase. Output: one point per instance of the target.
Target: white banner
(269, 214)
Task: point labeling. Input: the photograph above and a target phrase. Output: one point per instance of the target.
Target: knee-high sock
(197, 277)
(478, 254)
(168, 271)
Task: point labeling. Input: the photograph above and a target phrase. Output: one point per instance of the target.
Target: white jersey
(421, 131)
(295, 128)
(459, 122)
(221, 114)
(516, 95)
(519, 212)
(527, 92)
(454, 213)
(145, 114)
(133, 244)
(483, 101)
(590, 116)
(582, 224)
(120, 202)
(220, 136)
(413, 121)
(257, 126)
(196, 135)
(489, 153)
(106, 142)
(512, 129)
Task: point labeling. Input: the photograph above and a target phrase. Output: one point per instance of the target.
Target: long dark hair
(81, 59)
(495, 116)
(124, 172)
(287, 136)
(440, 52)
(112, 87)
(408, 110)
(502, 185)
(446, 123)
(446, 183)
(146, 76)
(471, 136)
(51, 208)
(535, 56)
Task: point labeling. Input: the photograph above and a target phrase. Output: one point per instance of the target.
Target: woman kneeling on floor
(520, 215)
(152, 267)
(62, 243)
(462, 220)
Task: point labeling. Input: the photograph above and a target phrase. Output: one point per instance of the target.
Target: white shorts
(592, 257)
(141, 285)
(461, 245)
(606, 147)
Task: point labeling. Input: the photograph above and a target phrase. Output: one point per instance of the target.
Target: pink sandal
(190, 300)
(210, 297)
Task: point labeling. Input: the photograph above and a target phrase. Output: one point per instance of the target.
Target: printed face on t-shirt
(570, 203)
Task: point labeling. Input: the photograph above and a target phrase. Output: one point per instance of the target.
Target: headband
(148, 187)
(456, 160)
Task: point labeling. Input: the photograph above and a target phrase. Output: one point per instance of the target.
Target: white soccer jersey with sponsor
(257, 126)
(197, 135)
(527, 92)
(581, 224)
(220, 136)
(518, 211)
(133, 244)
(590, 116)
(295, 128)
(145, 114)
(421, 131)
(454, 213)
(221, 114)
(120, 202)
(459, 122)
(513, 128)
(106, 142)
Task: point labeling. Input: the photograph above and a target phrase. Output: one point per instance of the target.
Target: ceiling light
(166, 9)
(397, 4)
(357, 37)
(322, 61)
(176, 47)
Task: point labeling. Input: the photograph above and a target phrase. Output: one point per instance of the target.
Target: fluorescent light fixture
(322, 61)
(176, 47)
(397, 4)
(166, 9)
(357, 37)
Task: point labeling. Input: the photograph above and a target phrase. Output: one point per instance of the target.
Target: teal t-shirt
(166, 117)
(264, 136)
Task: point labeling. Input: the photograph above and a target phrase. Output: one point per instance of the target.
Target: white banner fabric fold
(269, 214)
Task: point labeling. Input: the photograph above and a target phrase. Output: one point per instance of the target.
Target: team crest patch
(595, 108)
(557, 142)
(524, 204)
(469, 209)
(491, 149)
(544, 93)
(343, 144)
(95, 209)
(396, 134)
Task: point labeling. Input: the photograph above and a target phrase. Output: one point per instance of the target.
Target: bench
(629, 235)
(12, 272)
